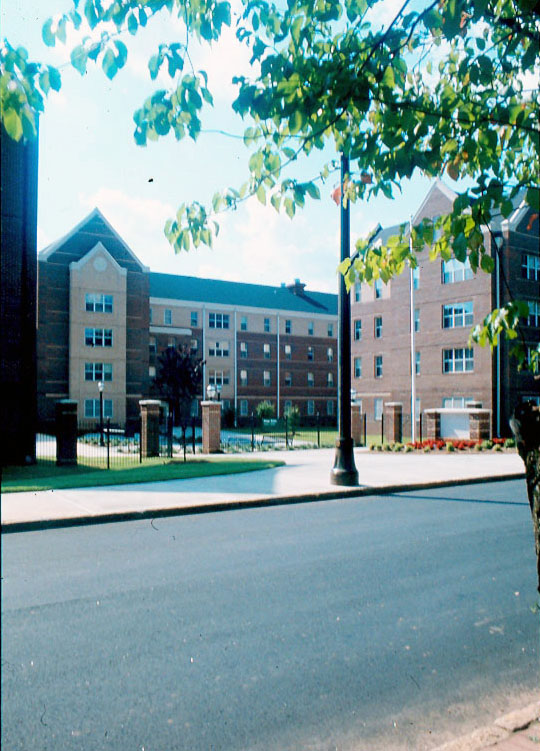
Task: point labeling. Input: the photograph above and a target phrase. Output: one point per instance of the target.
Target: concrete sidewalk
(304, 477)
(516, 731)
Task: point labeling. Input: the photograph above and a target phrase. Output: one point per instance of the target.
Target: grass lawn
(45, 475)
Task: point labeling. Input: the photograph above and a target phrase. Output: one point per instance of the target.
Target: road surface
(390, 622)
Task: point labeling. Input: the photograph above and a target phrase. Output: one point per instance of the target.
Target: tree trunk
(525, 425)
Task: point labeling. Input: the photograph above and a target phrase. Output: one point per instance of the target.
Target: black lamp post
(100, 388)
(344, 471)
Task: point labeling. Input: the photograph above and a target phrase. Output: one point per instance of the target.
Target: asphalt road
(391, 622)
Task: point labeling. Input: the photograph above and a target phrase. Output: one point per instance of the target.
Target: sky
(88, 158)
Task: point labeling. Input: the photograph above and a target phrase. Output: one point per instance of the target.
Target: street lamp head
(211, 392)
(100, 387)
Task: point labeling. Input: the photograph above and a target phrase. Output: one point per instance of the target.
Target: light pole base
(344, 471)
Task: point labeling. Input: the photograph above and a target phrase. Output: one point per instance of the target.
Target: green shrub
(397, 447)
(510, 443)
(265, 410)
(487, 445)
(450, 446)
(498, 447)
(479, 447)
(408, 448)
(387, 447)
(426, 449)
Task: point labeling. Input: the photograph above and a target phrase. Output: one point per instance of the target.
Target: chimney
(297, 288)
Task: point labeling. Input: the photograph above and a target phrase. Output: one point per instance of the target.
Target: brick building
(104, 317)
(447, 300)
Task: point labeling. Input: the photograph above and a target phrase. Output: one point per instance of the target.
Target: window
(378, 366)
(358, 367)
(243, 350)
(243, 323)
(330, 408)
(378, 289)
(194, 346)
(459, 360)
(244, 408)
(311, 328)
(378, 327)
(530, 267)
(417, 363)
(457, 315)
(288, 352)
(96, 303)
(171, 342)
(534, 313)
(150, 315)
(225, 404)
(330, 379)
(357, 330)
(218, 377)
(152, 345)
(194, 319)
(91, 408)
(310, 407)
(287, 406)
(455, 271)
(152, 371)
(310, 379)
(266, 351)
(98, 337)
(455, 402)
(218, 349)
(218, 320)
(358, 292)
(331, 329)
(416, 277)
(417, 319)
(288, 327)
(167, 317)
(288, 379)
(378, 409)
(266, 378)
(310, 353)
(243, 378)
(330, 354)
(98, 371)
(267, 325)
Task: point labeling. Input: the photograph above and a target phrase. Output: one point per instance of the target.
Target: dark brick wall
(18, 274)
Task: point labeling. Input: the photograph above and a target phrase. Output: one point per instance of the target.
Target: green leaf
(487, 264)
(533, 198)
(109, 64)
(388, 78)
(12, 124)
(46, 33)
(261, 194)
(313, 190)
(79, 58)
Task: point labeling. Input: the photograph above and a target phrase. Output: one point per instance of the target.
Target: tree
(179, 381)
(265, 410)
(449, 88)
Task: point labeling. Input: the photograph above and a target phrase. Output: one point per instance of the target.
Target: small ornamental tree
(178, 381)
(265, 410)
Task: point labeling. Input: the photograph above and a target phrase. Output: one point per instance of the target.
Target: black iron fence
(278, 434)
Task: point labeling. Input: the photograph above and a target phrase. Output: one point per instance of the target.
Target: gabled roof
(218, 292)
(47, 252)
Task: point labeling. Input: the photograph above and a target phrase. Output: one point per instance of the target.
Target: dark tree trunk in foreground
(525, 425)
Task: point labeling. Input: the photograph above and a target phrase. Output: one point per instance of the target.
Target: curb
(123, 516)
(502, 729)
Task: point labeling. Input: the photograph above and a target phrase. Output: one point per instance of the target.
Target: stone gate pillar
(356, 425)
(211, 427)
(433, 424)
(393, 422)
(149, 427)
(479, 424)
(66, 432)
